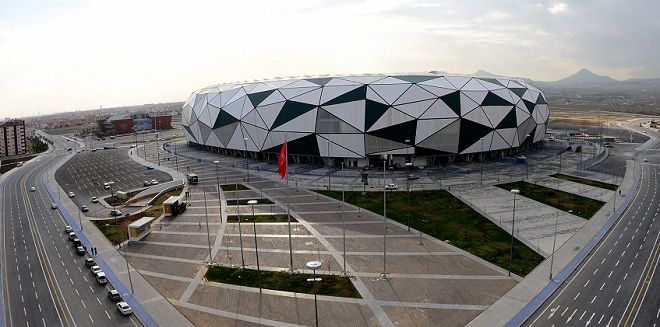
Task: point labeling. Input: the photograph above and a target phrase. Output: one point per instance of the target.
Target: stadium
(361, 120)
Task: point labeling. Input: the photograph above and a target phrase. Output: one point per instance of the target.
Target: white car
(124, 308)
(53, 206)
(551, 138)
(154, 182)
(95, 199)
(96, 270)
(72, 195)
(32, 189)
(391, 187)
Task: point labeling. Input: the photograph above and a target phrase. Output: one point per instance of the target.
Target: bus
(192, 178)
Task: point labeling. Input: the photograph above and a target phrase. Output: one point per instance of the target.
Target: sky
(65, 55)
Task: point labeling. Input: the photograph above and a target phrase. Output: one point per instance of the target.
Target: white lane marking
(582, 315)
(576, 296)
(587, 283)
(625, 276)
(595, 271)
(83, 303)
(90, 318)
(563, 312)
(610, 274)
(618, 288)
(594, 299)
(601, 286)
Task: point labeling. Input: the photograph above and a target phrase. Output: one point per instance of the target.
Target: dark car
(84, 209)
(114, 295)
(80, 250)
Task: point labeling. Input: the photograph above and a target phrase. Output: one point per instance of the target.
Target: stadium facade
(363, 119)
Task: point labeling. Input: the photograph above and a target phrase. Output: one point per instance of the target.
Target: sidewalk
(159, 312)
(533, 290)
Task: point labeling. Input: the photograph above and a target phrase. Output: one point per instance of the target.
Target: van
(101, 279)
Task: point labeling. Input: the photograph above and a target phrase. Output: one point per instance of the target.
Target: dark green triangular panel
(319, 81)
(491, 80)
(306, 145)
(224, 119)
(290, 111)
(453, 100)
(187, 128)
(518, 91)
(541, 99)
(257, 98)
(354, 95)
(493, 99)
(530, 106)
(471, 132)
(398, 133)
(373, 111)
(415, 79)
(509, 120)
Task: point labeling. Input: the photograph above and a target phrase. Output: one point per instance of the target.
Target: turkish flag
(281, 162)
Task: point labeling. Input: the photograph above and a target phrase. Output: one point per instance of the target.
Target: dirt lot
(588, 116)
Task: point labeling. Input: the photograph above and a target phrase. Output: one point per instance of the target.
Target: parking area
(86, 173)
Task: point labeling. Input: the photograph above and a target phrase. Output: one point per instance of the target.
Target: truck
(174, 206)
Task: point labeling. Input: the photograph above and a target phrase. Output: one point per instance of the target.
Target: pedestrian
(95, 251)
(200, 224)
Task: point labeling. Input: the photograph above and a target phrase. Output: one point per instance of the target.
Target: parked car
(412, 177)
(72, 235)
(32, 189)
(521, 159)
(124, 308)
(551, 138)
(53, 205)
(114, 295)
(101, 279)
(150, 167)
(154, 182)
(115, 213)
(76, 242)
(72, 195)
(89, 262)
(147, 183)
(68, 229)
(84, 209)
(106, 186)
(80, 250)
(391, 187)
(95, 199)
(420, 167)
(95, 270)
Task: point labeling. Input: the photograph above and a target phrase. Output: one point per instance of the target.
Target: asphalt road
(85, 173)
(45, 283)
(617, 284)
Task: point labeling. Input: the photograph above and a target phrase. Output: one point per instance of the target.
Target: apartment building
(12, 138)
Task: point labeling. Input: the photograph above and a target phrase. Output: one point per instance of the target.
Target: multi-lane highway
(45, 282)
(617, 284)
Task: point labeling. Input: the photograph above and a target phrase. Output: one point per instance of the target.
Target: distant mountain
(585, 76)
(482, 72)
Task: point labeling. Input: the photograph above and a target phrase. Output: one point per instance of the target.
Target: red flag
(281, 162)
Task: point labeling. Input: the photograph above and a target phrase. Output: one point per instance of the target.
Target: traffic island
(233, 187)
(441, 215)
(330, 285)
(576, 204)
(279, 218)
(590, 182)
(245, 202)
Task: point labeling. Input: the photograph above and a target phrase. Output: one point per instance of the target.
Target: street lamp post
(481, 164)
(383, 275)
(176, 158)
(128, 269)
(328, 165)
(256, 248)
(247, 163)
(208, 234)
(157, 150)
(513, 225)
(313, 266)
(554, 242)
(240, 233)
(409, 164)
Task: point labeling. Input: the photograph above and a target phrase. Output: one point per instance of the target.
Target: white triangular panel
(236, 141)
(214, 141)
(478, 116)
(415, 109)
(496, 113)
(540, 133)
(186, 112)
(390, 92)
(373, 96)
(309, 97)
(342, 82)
(480, 146)
(389, 118)
(467, 104)
(261, 87)
(191, 100)
(303, 123)
(269, 113)
(331, 92)
(509, 135)
(477, 96)
(414, 94)
(195, 129)
(276, 138)
(292, 93)
(247, 107)
(514, 96)
(390, 80)
(437, 91)
(249, 88)
(213, 114)
(457, 81)
(236, 97)
(473, 85)
(498, 142)
(300, 83)
(490, 86)
(439, 109)
(521, 115)
(256, 134)
(255, 119)
(362, 79)
(440, 82)
(350, 112)
(514, 85)
(279, 83)
(504, 94)
(274, 97)
(341, 143)
(428, 127)
(235, 108)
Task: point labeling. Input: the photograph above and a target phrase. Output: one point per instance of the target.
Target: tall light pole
(383, 275)
(527, 159)
(128, 269)
(208, 234)
(554, 242)
(240, 233)
(176, 158)
(513, 225)
(157, 150)
(313, 266)
(481, 164)
(247, 163)
(343, 220)
(409, 164)
(256, 248)
(328, 165)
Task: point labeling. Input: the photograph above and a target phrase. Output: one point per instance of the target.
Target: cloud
(558, 8)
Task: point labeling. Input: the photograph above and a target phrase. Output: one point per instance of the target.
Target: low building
(126, 123)
(12, 138)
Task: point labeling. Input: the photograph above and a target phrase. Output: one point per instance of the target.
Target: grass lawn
(261, 218)
(581, 206)
(441, 215)
(284, 281)
(245, 202)
(233, 187)
(585, 181)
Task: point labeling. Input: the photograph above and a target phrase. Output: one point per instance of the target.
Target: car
(124, 308)
(115, 213)
(68, 229)
(32, 189)
(114, 295)
(106, 186)
(89, 262)
(133, 145)
(154, 182)
(551, 138)
(391, 186)
(412, 177)
(147, 183)
(95, 199)
(150, 167)
(420, 167)
(609, 146)
(95, 270)
(80, 250)
(72, 195)
(53, 205)
(84, 209)
(646, 160)
(101, 279)
(644, 132)
(72, 235)
(76, 242)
